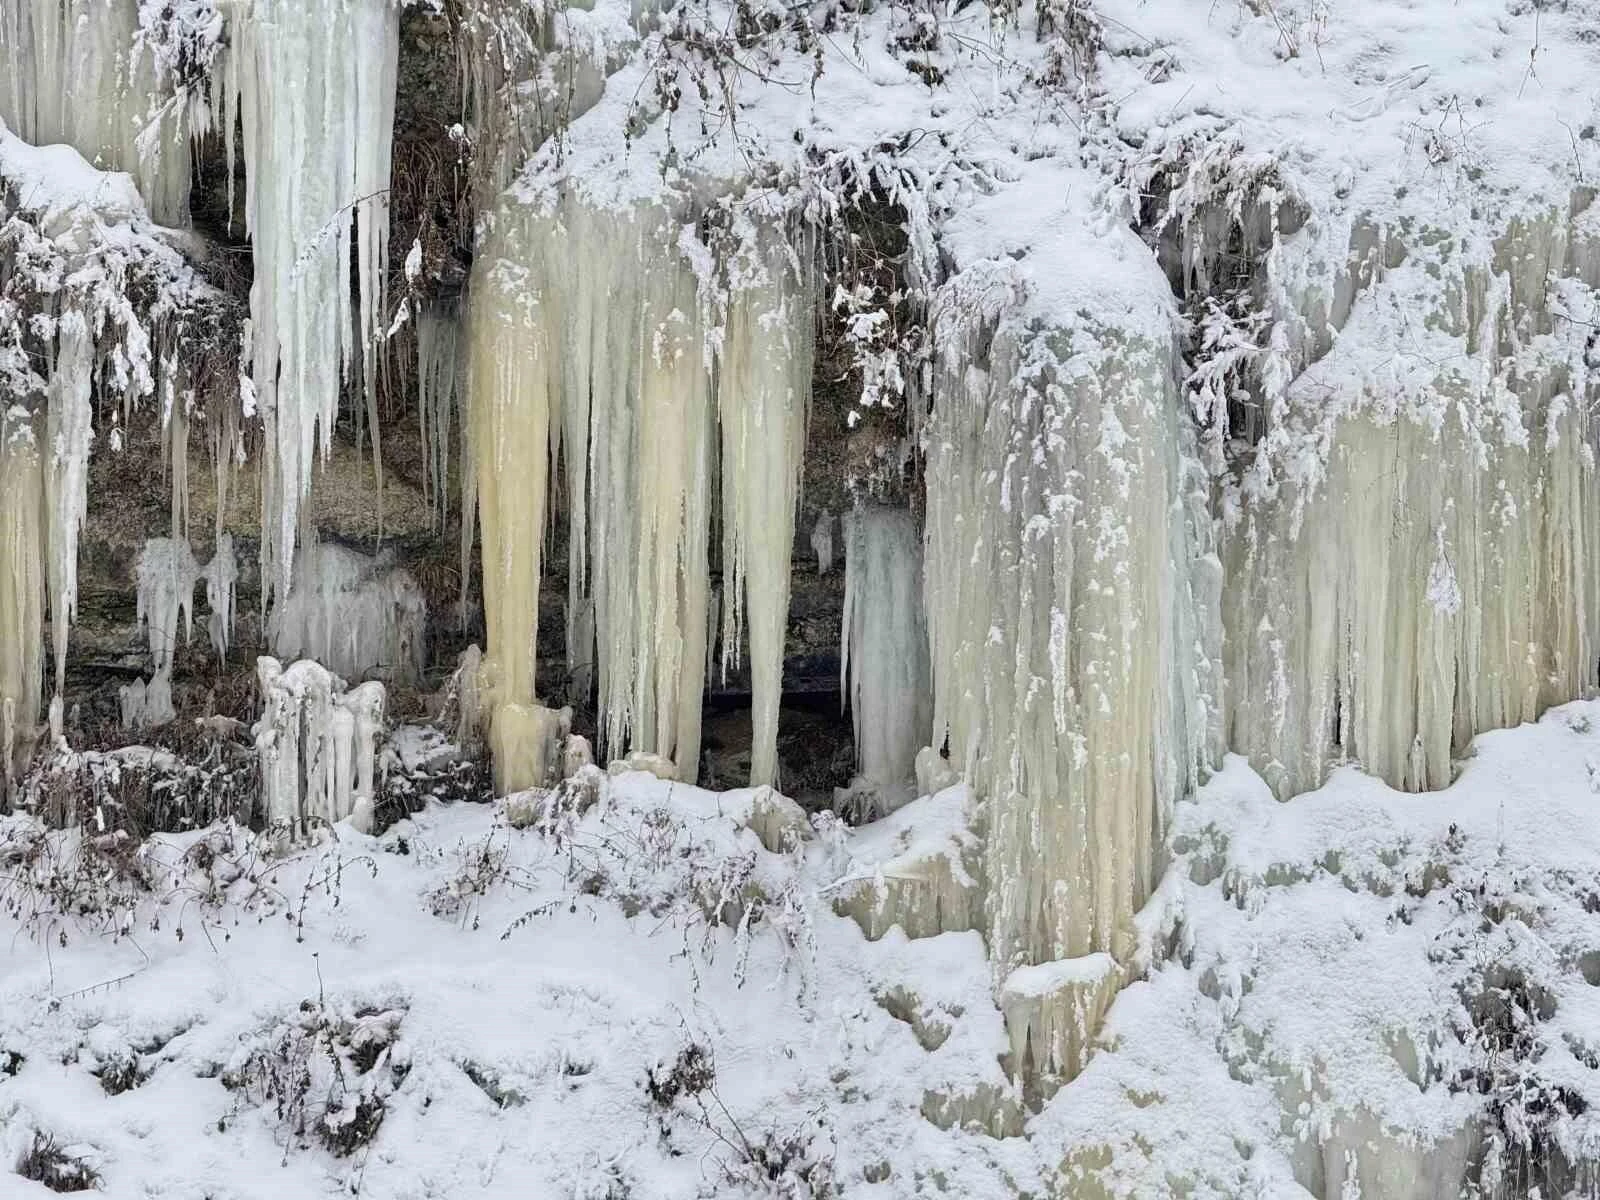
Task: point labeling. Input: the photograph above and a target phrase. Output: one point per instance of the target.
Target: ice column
(22, 591)
(1071, 607)
(884, 650)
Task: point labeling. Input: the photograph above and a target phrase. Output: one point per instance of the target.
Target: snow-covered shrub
(48, 1162)
(144, 790)
(793, 1165)
(326, 1072)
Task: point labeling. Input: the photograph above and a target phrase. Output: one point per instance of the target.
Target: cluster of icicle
(595, 346)
(78, 243)
(74, 72)
(167, 575)
(318, 746)
(311, 85)
(1421, 562)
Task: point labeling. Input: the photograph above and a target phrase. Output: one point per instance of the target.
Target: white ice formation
(357, 615)
(167, 574)
(591, 346)
(77, 72)
(884, 651)
(317, 745)
(312, 188)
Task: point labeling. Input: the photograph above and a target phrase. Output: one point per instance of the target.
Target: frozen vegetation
(1185, 409)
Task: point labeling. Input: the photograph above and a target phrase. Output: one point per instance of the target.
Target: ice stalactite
(764, 397)
(22, 591)
(167, 574)
(313, 84)
(591, 346)
(438, 397)
(318, 746)
(75, 72)
(1071, 607)
(1417, 555)
(822, 542)
(884, 654)
(356, 615)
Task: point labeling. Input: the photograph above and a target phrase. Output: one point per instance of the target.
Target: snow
(529, 1011)
(1322, 952)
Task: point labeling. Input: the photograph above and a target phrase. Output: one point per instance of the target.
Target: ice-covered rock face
(359, 616)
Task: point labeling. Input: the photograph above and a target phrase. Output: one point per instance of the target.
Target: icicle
(222, 581)
(69, 433)
(22, 589)
(438, 385)
(883, 659)
(512, 409)
(764, 395)
(167, 574)
(822, 542)
(287, 61)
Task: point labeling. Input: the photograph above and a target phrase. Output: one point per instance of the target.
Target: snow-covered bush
(326, 1072)
(48, 1162)
(796, 1165)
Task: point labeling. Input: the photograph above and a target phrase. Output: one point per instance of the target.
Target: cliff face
(1081, 393)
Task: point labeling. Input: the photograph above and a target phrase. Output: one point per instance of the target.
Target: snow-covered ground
(634, 997)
